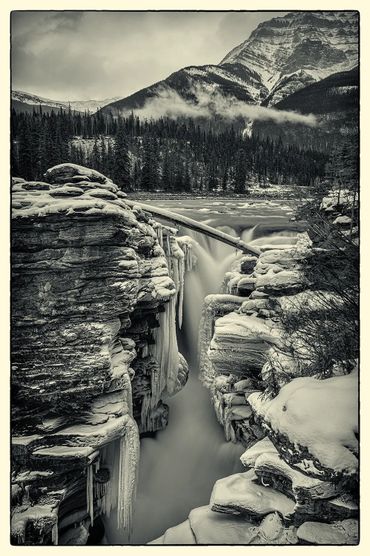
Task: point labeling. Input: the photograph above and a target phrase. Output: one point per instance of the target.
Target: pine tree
(95, 156)
(240, 172)
(109, 165)
(26, 159)
(225, 176)
(122, 163)
(136, 175)
(167, 173)
(150, 169)
(212, 176)
(187, 179)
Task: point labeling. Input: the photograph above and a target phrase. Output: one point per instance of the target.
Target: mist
(210, 104)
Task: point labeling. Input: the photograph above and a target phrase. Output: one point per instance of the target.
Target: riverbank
(276, 192)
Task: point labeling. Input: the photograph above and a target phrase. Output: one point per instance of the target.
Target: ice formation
(178, 262)
(146, 409)
(90, 492)
(164, 349)
(122, 458)
(176, 266)
(54, 534)
(187, 245)
(165, 352)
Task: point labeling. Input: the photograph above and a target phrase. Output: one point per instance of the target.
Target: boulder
(250, 456)
(341, 532)
(318, 418)
(211, 527)
(180, 534)
(241, 494)
(69, 171)
(240, 342)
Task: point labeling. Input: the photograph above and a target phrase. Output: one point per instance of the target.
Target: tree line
(171, 155)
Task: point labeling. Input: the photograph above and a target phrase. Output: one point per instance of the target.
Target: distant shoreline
(285, 195)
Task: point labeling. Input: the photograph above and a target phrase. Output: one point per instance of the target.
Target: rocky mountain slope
(299, 48)
(335, 103)
(26, 102)
(280, 57)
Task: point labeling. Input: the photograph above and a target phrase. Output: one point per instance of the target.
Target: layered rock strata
(96, 287)
(300, 431)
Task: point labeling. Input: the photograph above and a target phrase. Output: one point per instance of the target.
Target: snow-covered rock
(240, 342)
(241, 494)
(341, 532)
(319, 420)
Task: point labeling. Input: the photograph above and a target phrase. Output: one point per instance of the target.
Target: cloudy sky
(87, 55)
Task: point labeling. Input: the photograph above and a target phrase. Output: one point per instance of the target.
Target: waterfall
(213, 259)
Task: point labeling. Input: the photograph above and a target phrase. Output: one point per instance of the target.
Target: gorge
(109, 307)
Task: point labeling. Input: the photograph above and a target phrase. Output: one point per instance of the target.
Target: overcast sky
(87, 55)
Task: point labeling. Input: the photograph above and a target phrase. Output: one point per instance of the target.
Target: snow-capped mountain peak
(305, 46)
(76, 105)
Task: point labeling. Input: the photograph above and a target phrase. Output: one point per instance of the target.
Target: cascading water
(213, 259)
(179, 466)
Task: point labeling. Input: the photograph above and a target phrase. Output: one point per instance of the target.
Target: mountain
(297, 49)
(333, 100)
(281, 56)
(26, 102)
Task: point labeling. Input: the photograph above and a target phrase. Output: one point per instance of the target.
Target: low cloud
(211, 103)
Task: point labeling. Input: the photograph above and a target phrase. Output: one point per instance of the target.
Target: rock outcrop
(96, 287)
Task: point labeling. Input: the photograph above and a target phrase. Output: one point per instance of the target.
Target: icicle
(159, 231)
(165, 352)
(187, 243)
(122, 458)
(54, 534)
(180, 304)
(127, 392)
(176, 266)
(90, 493)
(26, 495)
(146, 408)
(110, 456)
(155, 383)
(127, 475)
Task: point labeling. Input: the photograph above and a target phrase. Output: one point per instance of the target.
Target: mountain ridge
(20, 98)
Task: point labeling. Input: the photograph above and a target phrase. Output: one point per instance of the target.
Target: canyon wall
(96, 286)
(298, 425)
